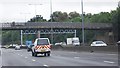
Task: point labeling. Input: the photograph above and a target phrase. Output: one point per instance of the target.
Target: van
(41, 46)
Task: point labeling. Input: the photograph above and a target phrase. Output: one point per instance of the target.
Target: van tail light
(37, 47)
(48, 46)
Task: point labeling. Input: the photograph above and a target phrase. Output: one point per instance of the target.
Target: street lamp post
(35, 8)
(119, 4)
(25, 15)
(51, 21)
(82, 23)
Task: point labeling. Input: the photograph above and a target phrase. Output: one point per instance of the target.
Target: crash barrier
(14, 47)
(87, 48)
(83, 48)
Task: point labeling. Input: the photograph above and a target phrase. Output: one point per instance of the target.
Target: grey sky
(20, 10)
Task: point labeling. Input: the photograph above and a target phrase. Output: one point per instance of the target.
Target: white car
(17, 47)
(61, 43)
(56, 44)
(98, 43)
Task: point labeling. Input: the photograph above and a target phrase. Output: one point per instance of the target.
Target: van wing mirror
(31, 45)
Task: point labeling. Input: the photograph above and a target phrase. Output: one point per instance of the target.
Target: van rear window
(42, 42)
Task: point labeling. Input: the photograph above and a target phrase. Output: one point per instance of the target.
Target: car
(17, 47)
(41, 46)
(61, 43)
(6, 47)
(98, 43)
(29, 48)
(57, 44)
(13, 45)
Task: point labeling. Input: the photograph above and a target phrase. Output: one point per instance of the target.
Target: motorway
(12, 57)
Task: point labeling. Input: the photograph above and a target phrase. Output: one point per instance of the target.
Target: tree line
(58, 16)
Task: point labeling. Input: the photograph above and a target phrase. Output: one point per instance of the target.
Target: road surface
(12, 57)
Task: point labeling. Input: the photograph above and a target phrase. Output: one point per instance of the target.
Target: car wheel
(44, 54)
(35, 54)
(48, 54)
(32, 53)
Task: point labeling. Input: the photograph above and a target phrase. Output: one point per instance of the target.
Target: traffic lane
(41, 59)
(0, 61)
(0, 57)
(59, 58)
(10, 58)
(90, 56)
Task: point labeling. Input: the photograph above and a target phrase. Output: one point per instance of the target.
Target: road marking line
(33, 60)
(45, 65)
(76, 57)
(73, 52)
(112, 54)
(26, 57)
(109, 62)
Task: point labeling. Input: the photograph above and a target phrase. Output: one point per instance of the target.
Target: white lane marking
(45, 65)
(33, 60)
(18, 50)
(58, 55)
(26, 57)
(73, 52)
(109, 62)
(76, 57)
(112, 54)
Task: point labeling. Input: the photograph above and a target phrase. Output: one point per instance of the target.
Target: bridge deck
(43, 25)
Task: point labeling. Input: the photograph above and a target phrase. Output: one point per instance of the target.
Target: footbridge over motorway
(55, 25)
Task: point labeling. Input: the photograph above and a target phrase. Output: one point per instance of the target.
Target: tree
(58, 16)
(103, 17)
(73, 15)
(76, 19)
(116, 23)
(38, 18)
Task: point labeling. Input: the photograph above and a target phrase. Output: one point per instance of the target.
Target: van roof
(42, 38)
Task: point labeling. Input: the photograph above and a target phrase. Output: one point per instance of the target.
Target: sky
(23, 10)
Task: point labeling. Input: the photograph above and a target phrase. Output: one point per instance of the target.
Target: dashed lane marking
(45, 65)
(109, 62)
(26, 57)
(76, 57)
(33, 60)
(73, 52)
(112, 54)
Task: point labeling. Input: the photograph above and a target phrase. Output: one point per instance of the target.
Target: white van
(75, 41)
(41, 46)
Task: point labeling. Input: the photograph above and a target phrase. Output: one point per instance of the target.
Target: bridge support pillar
(21, 35)
(75, 33)
(38, 34)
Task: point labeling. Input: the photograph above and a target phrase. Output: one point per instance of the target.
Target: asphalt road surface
(12, 57)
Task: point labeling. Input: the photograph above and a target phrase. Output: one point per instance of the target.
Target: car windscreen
(42, 42)
(99, 42)
(75, 41)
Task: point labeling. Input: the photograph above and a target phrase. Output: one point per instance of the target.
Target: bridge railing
(12, 24)
(38, 25)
